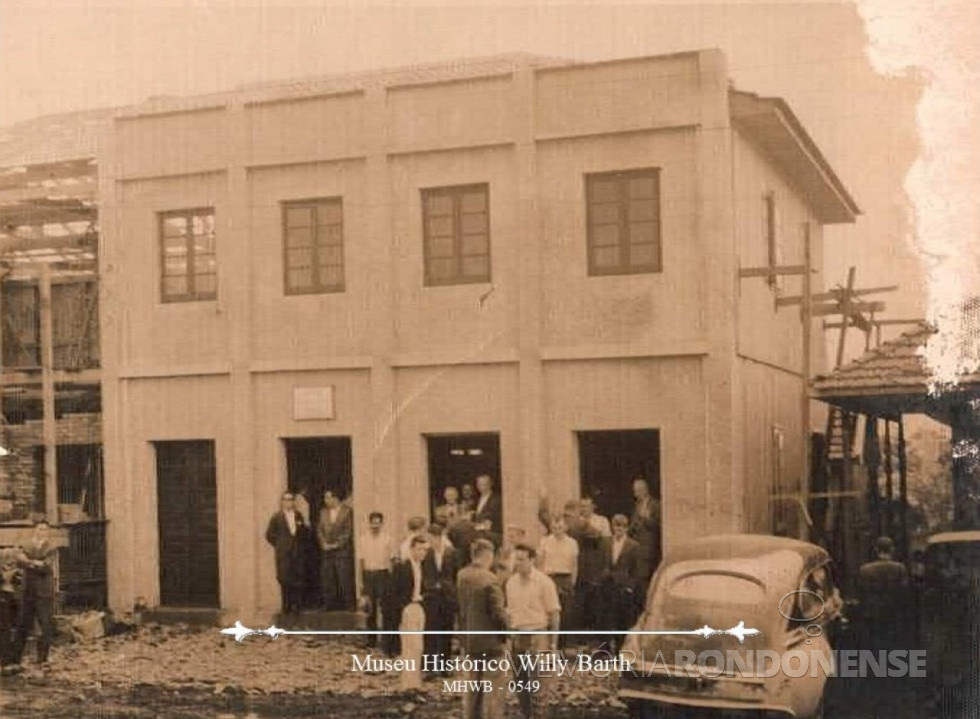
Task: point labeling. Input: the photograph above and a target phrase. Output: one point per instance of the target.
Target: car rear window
(714, 587)
(692, 600)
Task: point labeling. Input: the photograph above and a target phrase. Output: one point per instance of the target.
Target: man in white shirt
(594, 521)
(375, 552)
(532, 605)
(558, 558)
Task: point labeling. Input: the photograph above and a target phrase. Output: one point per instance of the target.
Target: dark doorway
(187, 516)
(610, 460)
(458, 459)
(315, 465)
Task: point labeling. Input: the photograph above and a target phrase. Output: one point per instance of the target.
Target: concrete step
(321, 620)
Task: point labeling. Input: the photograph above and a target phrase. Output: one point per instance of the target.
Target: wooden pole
(903, 491)
(845, 308)
(889, 523)
(806, 310)
(49, 432)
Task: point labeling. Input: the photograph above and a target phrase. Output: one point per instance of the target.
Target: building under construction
(50, 377)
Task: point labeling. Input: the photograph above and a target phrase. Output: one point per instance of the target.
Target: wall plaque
(313, 403)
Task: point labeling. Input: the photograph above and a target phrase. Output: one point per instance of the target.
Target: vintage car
(949, 618)
(780, 587)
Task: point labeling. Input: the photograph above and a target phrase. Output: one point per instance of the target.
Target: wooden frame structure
(834, 468)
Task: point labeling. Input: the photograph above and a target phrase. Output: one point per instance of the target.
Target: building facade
(386, 283)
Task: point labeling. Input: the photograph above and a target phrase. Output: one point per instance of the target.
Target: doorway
(314, 466)
(187, 517)
(609, 461)
(458, 459)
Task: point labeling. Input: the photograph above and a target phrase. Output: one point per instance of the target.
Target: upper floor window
(189, 265)
(624, 222)
(456, 228)
(313, 246)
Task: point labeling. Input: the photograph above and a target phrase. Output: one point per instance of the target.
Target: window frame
(192, 295)
(317, 287)
(455, 193)
(625, 267)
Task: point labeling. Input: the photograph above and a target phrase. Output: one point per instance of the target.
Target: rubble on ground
(180, 657)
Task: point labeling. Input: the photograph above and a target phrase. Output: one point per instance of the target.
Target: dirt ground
(179, 672)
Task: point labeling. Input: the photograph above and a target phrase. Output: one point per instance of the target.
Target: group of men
(296, 541)
(464, 572)
(26, 597)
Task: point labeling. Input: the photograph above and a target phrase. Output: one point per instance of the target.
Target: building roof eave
(770, 124)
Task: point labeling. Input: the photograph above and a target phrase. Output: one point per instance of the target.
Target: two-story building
(383, 284)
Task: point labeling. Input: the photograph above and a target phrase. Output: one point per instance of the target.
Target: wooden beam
(49, 428)
(834, 294)
(845, 306)
(30, 175)
(85, 189)
(28, 270)
(903, 493)
(806, 317)
(767, 271)
(26, 277)
(84, 241)
(875, 323)
(889, 488)
(855, 307)
(26, 378)
(888, 323)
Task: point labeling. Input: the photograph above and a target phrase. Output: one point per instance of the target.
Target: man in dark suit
(37, 601)
(626, 579)
(439, 571)
(883, 587)
(645, 524)
(593, 570)
(488, 505)
(334, 530)
(408, 579)
(289, 535)
(481, 608)
(409, 588)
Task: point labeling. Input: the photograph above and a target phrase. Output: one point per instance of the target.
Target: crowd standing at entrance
(465, 571)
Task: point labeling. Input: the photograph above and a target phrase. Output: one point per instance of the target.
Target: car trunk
(718, 599)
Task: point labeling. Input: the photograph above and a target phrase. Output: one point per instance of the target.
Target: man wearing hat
(289, 535)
